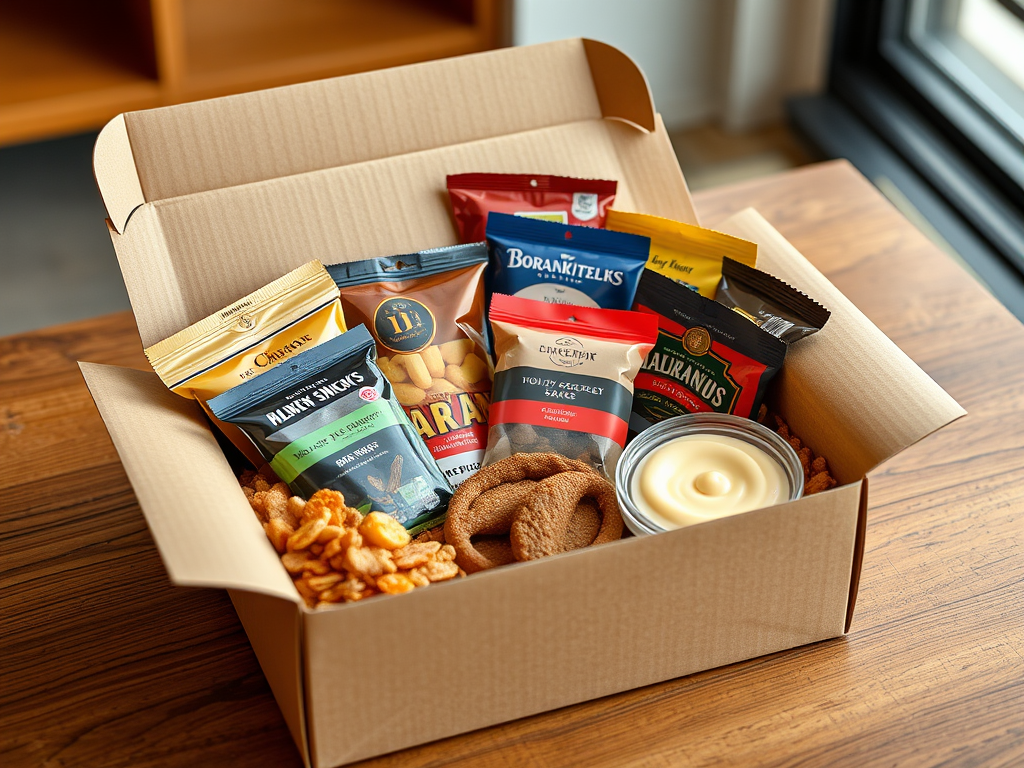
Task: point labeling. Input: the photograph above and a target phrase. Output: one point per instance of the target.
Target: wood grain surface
(103, 663)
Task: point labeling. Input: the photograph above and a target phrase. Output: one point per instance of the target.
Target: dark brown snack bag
(775, 306)
(426, 313)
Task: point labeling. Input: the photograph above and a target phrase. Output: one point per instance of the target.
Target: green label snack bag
(329, 419)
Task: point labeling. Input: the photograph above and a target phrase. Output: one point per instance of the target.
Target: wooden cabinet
(68, 66)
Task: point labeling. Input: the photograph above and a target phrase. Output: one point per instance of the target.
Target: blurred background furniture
(67, 66)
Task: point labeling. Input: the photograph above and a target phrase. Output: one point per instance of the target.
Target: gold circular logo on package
(402, 324)
(697, 341)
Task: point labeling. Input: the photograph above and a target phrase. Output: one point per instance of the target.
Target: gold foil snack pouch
(249, 337)
(692, 256)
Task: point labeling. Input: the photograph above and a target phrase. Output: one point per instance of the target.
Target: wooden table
(102, 662)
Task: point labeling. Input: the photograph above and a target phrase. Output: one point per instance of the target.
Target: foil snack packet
(329, 419)
(565, 200)
(773, 305)
(561, 264)
(248, 338)
(692, 256)
(707, 357)
(564, 379)
(425, 311)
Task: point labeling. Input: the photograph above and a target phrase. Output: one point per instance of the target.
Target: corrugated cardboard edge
(117, 177)
(274, 628)
(858, 554)
(203, 527)
(848, 386)
(620, 87)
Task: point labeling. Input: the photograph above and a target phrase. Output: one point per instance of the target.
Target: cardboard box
(208, 201)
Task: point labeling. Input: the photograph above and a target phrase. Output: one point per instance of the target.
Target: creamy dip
(694, 478)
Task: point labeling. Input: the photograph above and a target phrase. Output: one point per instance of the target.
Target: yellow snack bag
(290, 315)
(692, 256)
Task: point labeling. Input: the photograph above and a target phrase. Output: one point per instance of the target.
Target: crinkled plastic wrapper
(248, 338)
(583, 202)
(563, 381)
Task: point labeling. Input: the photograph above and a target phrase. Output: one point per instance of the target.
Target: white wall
(669, 39)
(727, 60)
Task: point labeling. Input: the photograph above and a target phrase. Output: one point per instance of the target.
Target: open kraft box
(210, 200)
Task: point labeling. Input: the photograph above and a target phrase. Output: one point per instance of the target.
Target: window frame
(967, 170)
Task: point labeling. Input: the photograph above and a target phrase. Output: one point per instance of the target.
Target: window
(926, 97)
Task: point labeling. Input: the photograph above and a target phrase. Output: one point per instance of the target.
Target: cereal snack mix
(426, 311)
(335, 554)
(561, 264)
(564, 379)
(583, 202)
(248, 338)
(329, 420)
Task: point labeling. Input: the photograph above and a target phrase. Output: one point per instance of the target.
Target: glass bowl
(698, 424)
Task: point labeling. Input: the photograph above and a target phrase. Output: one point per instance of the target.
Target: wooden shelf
(275, 44)
(76, 66)
(66, 71)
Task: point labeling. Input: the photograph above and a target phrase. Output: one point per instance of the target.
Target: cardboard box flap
(162, 153)
(205, 530)
(185, 258)
(849, 390)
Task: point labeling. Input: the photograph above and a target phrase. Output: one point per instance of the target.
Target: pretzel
(488, 502)
(541, 524)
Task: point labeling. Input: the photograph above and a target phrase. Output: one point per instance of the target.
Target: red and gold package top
(583, 202)
(425, 310)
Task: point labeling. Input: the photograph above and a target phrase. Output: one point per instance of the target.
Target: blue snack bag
(564, 264)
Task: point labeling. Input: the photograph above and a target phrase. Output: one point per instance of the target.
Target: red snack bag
(583, 202)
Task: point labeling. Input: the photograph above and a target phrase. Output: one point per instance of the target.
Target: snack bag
(563, 382)
(707, 358)
(426, 313)
(562, 264)
(692, 256)
(248, 338)
(552, 198)
(329, 419)
(775, 306)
